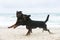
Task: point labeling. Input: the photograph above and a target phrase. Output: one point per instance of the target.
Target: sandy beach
(19, 34)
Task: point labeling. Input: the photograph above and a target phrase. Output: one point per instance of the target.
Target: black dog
(23, 19)
(20, 20)
(31, 24)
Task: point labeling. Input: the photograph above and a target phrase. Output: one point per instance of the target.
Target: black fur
(23, 19)
(20, 20)
(31, 24)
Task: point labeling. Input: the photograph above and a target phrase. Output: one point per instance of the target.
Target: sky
(30, 6)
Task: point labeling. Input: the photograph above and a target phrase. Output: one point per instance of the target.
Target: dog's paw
(9, 27)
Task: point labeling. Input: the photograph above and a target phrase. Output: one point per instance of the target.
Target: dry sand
(19, 34)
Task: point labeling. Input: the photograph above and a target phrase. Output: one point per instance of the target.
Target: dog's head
(19, 14)
(22, 17)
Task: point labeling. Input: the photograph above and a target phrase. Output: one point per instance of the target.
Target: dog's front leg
(15, 25)
(12, 26)
(29, 31)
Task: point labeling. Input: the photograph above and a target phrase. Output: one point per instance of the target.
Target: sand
(19, 34)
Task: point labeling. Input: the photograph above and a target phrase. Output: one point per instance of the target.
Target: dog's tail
(47, 18)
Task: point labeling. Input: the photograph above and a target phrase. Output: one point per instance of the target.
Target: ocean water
(7, 19)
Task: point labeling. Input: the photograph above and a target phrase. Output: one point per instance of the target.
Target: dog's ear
(19, 11)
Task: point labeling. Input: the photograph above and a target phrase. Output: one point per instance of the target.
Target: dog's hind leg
(47, 30)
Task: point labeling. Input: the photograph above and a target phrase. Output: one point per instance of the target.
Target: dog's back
(33, 23)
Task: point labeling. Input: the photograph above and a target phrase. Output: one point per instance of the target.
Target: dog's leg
(14, 26)
(11, 26)
(29, 31)
(47, 30)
